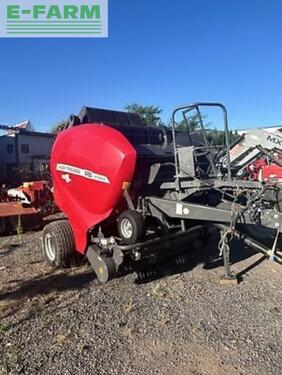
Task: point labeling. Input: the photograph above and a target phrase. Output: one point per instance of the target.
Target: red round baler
(91, 165)
(132, 191)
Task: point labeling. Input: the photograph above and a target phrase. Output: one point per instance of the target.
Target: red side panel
(260, 170)
(272, 173)
(89, 164)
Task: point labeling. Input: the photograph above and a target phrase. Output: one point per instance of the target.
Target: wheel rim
(49, 245)
(126, 228)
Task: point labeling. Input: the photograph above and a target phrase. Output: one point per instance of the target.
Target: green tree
(215, 137)
(56, 128)
(193, 123)
(150, 114)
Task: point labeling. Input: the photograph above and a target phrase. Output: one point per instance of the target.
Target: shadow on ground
(9, 250)
(52, 282)
(150, 270)
(207, 255)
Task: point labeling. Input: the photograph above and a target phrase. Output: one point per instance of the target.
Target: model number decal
(82, 173)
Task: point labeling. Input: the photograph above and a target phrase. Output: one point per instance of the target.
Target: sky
(165, 53)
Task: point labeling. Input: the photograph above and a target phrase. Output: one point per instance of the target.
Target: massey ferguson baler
(128, 189)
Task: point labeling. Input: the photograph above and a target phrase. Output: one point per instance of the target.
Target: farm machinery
(26, 204)
(129, 191)
(257, 155)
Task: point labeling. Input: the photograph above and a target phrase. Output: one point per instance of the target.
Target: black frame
(196, 106)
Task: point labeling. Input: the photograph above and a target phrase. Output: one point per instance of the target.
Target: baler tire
(136, 221)
(59, 245)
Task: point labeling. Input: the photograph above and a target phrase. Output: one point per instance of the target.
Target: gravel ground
(183, 322)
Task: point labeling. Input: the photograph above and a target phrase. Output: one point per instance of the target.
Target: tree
(193, 123)
(55, 129)
(214, 136)
(217, 137)
(150, 115)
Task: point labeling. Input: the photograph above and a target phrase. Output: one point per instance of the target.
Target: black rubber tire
(60, 234)
(137, 223)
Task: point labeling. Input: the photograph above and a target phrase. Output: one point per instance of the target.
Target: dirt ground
(184, 321)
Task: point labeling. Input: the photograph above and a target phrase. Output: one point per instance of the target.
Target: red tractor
(129, 190)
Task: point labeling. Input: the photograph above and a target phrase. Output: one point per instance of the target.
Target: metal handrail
(187, 108)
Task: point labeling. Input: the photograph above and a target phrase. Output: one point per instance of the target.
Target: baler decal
(82, 173)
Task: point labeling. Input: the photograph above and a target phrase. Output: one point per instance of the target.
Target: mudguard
(90, 165)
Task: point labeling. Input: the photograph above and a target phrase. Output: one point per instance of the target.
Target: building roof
(29, 133)
(267, 127)
(37, 134)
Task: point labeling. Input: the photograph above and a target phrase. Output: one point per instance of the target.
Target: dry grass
(6, 305)
(13, 353)
(4, 372)
(45, 299)
(66, 337)
(4, 244)
(128, 332)
(3, 329)
(129, 307)
(62, 340)
(164, 319)
(81, 347)
(159, 292)
(3, 289)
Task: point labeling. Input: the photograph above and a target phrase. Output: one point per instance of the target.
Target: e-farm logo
(50, 18)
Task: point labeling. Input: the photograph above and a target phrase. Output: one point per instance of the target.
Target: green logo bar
(54, 18)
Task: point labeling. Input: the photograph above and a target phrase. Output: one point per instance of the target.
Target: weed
(13, 353)
(19, 228)
(159, 292)
(62, 339)
(3, 329)
(6, 305)
(129, 307)
(82, 347)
